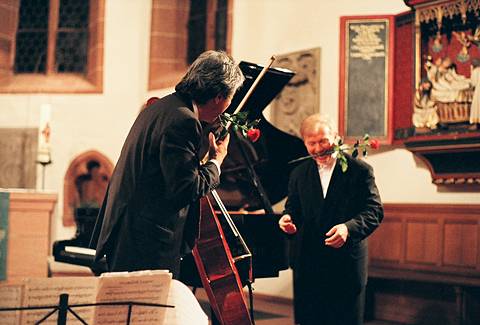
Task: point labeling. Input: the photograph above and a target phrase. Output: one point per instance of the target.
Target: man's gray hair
(212, 74)
(313, 123)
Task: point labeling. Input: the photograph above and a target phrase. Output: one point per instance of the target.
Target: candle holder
(44, 163)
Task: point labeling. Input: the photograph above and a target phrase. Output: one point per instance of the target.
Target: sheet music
(46, 291)
(187, 310)
(141, 286)
(10, 296)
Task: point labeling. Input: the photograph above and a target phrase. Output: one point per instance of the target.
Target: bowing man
(149, 217)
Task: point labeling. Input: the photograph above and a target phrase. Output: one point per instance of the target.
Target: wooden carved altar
(447, 40)
(445, 112)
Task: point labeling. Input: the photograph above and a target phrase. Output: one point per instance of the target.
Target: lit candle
(44, 132)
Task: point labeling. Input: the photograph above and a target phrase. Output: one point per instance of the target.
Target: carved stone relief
(301, 96)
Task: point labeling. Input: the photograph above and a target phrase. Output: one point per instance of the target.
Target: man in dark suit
(330, 213)
(150, 213)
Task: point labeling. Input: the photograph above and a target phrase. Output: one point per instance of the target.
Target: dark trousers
(330, 307)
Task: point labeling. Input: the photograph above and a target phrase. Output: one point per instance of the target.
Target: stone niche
(85, 184)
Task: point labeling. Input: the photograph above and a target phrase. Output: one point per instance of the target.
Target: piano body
(254, 177)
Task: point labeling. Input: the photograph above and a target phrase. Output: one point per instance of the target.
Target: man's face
(213, 108)
(319, 143)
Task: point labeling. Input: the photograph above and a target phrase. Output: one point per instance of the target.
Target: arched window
(48, 45)
(180, 31)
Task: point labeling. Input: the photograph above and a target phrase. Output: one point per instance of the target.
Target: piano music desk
(56, 269)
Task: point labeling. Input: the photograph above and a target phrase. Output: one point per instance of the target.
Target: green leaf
(344, 166)
(366, 137)
(355, 153)
(242, 115)
(365, 152)
(253, 123)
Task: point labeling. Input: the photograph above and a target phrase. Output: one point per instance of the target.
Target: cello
(213, 257)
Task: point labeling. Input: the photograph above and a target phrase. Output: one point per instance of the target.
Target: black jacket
(352, 198)
(150, 211)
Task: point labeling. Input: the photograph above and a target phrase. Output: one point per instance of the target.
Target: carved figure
(425, 110)
(475, 82)
(448, 85)
(91, 187)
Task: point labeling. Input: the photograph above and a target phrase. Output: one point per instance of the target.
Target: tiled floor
(268, 311)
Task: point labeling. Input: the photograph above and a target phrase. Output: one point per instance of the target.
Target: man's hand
(337, 236)
(218, 150)
(287, 225)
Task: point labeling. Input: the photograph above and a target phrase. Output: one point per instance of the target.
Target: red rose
(151, 100)
(253, 134)
(374, 144)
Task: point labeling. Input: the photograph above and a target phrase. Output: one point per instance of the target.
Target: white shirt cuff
(216, 164)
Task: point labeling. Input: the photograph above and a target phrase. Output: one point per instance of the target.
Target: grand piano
(254, 177)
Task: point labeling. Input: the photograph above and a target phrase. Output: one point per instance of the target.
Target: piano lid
(268, 156)
(267, 89)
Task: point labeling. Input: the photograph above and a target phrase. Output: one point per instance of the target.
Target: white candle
(44, 133)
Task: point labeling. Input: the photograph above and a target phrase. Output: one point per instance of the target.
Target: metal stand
(63, 308)
(250, 296)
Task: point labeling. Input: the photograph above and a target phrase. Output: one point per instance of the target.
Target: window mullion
(52, 35)
(210, 24)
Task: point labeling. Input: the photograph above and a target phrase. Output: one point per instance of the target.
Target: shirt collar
(328, 166)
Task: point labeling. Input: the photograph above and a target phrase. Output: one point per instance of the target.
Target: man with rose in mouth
(329, 214)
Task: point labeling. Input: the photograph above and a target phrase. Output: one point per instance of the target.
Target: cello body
(217, 270)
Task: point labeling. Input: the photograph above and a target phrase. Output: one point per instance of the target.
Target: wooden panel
(436, 277)
(391, 229)
(407, 302)
(461, 244)
(18, 149)
(403, 76)
(31, 222)
(29, 239)
(451, 158)
(440, 241)
(422, 242)
(27, 257)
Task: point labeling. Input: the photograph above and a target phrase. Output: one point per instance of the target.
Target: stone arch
(77, 168)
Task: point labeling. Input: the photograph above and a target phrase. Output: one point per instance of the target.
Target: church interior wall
(82, 122)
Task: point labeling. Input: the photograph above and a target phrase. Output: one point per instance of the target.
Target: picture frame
(366, 77)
